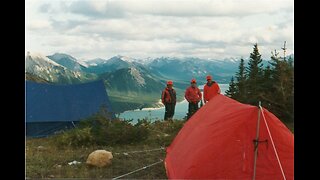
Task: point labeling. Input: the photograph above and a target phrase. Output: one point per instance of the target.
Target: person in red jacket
(168, 98)
(211, 88)
(193, 96)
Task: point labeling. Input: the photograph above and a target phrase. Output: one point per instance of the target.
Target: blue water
(158, 114)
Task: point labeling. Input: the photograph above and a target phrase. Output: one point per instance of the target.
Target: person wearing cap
(168, 98)
(210, 89)
(193, 96)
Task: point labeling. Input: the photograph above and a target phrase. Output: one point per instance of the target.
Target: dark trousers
(169, 110)
(193, 108)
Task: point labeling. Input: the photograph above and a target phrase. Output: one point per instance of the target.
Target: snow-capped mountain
(95, 62)
(45, 68)
(132, 79)
(170, 67)
(184, 69)
(132, 88)
(68, 61)
(101, 66)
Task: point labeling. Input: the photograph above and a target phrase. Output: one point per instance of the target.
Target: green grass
(51, 160)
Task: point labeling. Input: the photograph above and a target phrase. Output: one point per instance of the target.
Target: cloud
(185, 8)
(66, 25)
(208, 29)
(45, 8)
(205, 7)
(176, 8)
(38, 25)
(96, 9)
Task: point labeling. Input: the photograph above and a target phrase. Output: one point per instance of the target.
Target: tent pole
(256, 141)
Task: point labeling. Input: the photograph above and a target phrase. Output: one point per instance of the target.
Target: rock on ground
(99, 158)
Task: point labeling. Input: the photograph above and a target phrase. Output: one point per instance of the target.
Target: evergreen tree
(266, 89)
(279, 88)
(255, 76)
(232, 91)
(290, 90)
(267, 78)
(273, 85)
(241, 82)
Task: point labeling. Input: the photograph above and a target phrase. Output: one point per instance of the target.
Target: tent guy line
(137, 170)
(148, 150)
(274, 147)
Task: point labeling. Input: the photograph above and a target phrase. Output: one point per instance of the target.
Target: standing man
(168, 98)
(211, 88)
(193, 96)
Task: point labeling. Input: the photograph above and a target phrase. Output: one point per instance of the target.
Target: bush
(123, 132)
(75, 137)
(97, 130)
(163, 132)
(170, 127)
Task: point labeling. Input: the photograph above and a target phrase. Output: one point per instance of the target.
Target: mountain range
(131, 83)
(51, 71)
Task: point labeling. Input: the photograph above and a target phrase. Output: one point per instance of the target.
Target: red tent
(218, 142)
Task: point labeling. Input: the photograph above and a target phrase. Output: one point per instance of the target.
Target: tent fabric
(52, 107)
(217, 143)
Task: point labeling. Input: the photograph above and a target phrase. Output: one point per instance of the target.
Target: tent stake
(256, 142)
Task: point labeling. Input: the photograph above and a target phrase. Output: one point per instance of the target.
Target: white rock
(99, 158)
(41, 148)
(74, 162)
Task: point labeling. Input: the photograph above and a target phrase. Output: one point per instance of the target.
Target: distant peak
(35, 54)
(125, 58)
(63, 55)
(40, 57)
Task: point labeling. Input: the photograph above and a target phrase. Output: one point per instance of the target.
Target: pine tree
(255, 76)
(241, 82)
(266, 88)
(290, 90)
(232, 91)
(273, 85)
(267, 78)
(278, 87)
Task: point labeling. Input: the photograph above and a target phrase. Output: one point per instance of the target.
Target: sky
(210, 29)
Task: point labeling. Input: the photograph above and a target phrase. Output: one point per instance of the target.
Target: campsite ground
(49, 157)
(45, 158)
(52, 162)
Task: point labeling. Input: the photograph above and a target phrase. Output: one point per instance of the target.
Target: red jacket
(193, 94)
(166, 98)
(210, 91)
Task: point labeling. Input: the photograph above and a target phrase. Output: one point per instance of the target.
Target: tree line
(271, 84)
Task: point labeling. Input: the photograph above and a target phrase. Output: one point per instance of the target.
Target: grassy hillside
(49, 157)
(52, 161)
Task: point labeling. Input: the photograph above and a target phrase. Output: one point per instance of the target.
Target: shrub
(123, 132)
(99, 130)
(164, 131)
(75, 137)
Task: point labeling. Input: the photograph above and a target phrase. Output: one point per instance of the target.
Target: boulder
(99, 158)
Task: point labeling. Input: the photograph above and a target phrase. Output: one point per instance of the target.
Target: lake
(154, 114)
